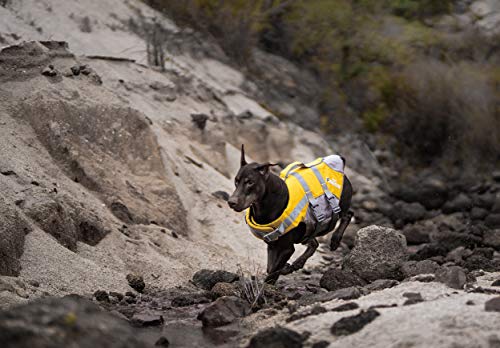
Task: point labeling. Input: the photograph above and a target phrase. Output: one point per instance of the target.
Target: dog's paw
(334, 244)
(287, 269)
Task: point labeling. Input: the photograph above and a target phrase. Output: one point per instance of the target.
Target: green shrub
(419, 8)
(447, 111)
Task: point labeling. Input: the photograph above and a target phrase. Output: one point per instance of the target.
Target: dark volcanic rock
(496, 283)
(493, 220)
(101, 296)
(349, 306)
(277, 337)
(451, 240)
(136, 282)
(221, 195)
(206, 278)
(146, 319)
(462, 202)
(427, 251)
(190, 299)
(381, 284)
(492, 238)
(419, 232)
(454, 277)
(412, 298)
(314, 311)
(378, 254)
(478, 213)
(431, 192)
(336, 278)
(412, 268)
(352, 324)
(162, 342)
(492, 305)
(13, 229)
(407, 212)
(200, 120)
(64, 322)
(480, 261)
(224, 311)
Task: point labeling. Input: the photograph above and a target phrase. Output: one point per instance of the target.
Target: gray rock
(431, 192)
(462, 202)
(336, 278)
(458, 255)
(13, 228)
(350, 293)
(381, 284)
(413, 268)
(492, 305)
(225, 289)
(277, 337)
(65, 322)
(223, 311)
(54, 217)
(378, 253)
(454, 277)
(492, 238)
(136, 282)
(206, 278)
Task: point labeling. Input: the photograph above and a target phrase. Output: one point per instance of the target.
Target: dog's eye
(249, 183)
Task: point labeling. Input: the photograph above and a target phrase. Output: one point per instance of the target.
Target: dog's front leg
(278, 253)
(312, 245)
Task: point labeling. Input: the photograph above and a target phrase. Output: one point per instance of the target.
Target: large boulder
(335, 279)
(64, 322)
(223, 311)
(13, 229)
(378, 253)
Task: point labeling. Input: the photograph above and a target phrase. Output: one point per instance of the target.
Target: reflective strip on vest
(334, 202)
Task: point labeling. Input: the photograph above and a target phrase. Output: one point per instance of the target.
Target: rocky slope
(110, 167)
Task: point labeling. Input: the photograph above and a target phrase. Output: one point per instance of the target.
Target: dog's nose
(231, 203)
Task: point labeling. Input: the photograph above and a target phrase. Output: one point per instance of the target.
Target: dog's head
(250, 183)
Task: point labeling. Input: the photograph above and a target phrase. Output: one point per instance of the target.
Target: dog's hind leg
(312, 245)
(345, 219)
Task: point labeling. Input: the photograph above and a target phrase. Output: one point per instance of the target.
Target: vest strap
(287, 222)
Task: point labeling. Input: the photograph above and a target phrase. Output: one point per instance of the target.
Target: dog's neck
(273, 201)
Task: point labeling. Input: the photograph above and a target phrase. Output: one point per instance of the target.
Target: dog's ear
(264, 169)
(243, 161)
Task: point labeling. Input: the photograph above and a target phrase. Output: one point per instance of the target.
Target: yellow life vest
(314, 191)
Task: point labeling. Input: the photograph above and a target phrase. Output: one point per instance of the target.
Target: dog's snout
(232, 202)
